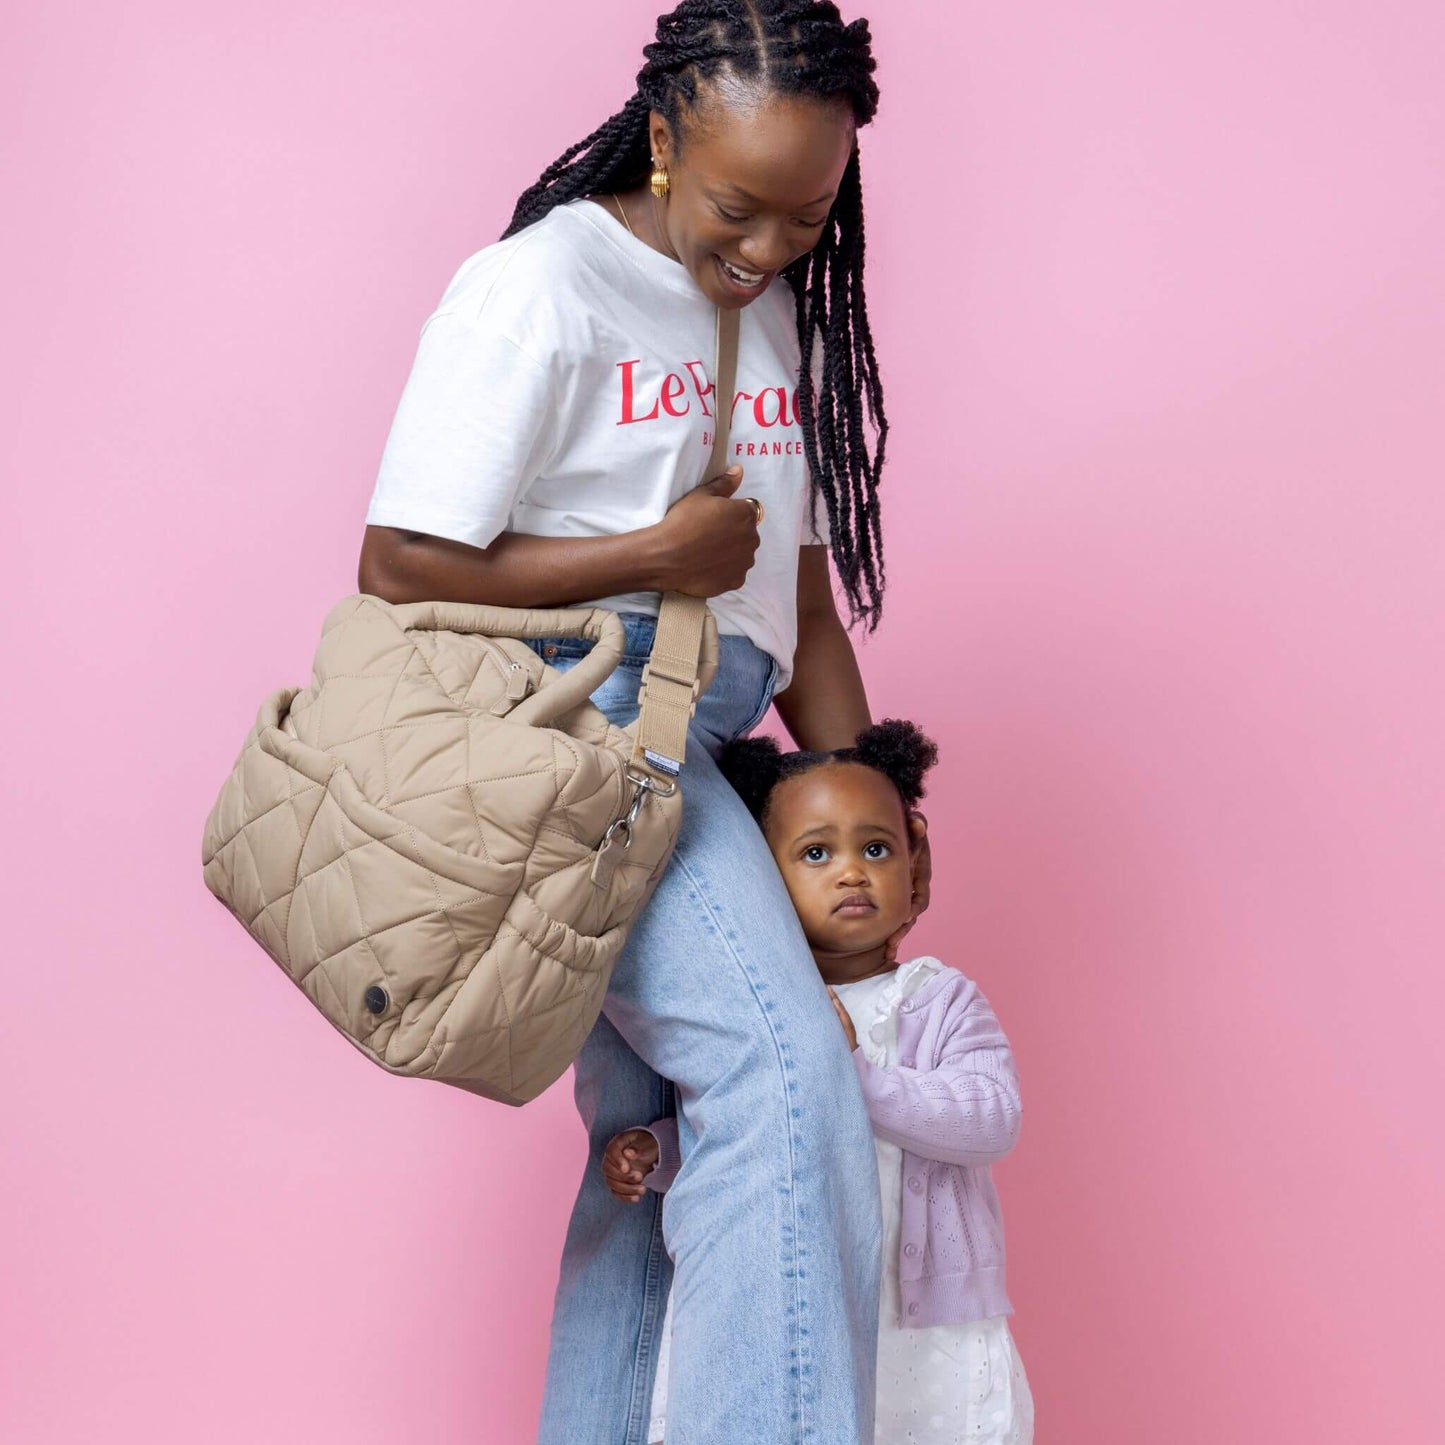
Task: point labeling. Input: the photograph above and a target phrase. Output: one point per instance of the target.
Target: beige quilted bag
(443, 841)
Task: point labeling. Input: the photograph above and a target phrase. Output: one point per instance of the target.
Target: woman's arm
(825, 705)
(703, 546)
(514, 571)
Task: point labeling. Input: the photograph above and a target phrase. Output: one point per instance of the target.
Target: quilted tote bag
(443, 842)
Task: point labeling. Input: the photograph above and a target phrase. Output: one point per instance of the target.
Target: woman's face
(752, 186)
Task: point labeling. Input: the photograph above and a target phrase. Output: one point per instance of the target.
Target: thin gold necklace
(621, 211)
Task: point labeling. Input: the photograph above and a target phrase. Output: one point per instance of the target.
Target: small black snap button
(376, 1000)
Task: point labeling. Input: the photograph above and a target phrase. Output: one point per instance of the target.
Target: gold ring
(757, 508)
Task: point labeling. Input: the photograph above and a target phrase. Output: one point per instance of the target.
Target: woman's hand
(922, 881)
(627, 1160)
(844, 1018)
(708, 539)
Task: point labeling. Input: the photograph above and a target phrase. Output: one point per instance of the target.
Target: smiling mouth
(743, 280)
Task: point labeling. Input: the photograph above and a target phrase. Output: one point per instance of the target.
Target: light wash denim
(770, 1235)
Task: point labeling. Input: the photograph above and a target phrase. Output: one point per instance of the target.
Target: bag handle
(569, 690)
(684, 648)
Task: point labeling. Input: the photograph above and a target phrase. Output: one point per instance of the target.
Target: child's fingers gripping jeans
(773, 1218)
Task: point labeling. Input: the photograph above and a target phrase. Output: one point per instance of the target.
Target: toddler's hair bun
(899, 750)
(753, 766)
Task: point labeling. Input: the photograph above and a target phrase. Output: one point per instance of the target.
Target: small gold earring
(660, 183)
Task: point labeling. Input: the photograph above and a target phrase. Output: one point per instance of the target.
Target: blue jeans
(770, 1234)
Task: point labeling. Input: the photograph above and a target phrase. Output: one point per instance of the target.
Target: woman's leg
(773, 1220)
(615, 1271)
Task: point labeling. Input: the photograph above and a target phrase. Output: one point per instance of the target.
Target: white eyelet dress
(943, 1384)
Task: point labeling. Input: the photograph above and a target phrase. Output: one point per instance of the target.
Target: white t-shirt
(563, 388)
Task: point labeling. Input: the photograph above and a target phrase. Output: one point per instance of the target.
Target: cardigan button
(913, 1309)
(916, 1184)
(910, 1250)
(375, 999)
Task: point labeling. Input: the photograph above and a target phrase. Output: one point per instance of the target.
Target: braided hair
(794, 48)
(897, 749)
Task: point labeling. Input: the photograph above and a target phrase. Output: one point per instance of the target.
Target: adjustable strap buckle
(676, 688)
(686, 676)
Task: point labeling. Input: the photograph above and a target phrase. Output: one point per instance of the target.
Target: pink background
(1158, 292)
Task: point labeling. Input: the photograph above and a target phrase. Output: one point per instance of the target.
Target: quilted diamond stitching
(441, 908)
(381, 738)
(581, 794)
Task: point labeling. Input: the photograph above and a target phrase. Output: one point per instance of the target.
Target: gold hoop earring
(660, 183)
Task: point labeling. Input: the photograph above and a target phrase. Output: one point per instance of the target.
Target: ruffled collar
(874, 1037)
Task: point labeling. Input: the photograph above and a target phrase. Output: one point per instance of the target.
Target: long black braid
(795, 47)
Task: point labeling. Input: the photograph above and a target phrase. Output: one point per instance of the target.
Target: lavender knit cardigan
(951, 1104)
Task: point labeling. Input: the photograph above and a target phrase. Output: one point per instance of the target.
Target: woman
(548, 450)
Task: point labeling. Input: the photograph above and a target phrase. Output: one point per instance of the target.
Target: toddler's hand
(841, 1009)
(628, 1157)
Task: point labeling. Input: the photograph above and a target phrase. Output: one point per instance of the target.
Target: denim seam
(639, 1412)
(767, 702)
(804, 1363)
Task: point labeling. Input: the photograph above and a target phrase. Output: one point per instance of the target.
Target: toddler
(936, 1072)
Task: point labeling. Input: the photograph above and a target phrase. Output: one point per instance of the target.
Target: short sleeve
(473, 430)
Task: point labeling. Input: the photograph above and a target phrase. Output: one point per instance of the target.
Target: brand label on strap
(670, 766)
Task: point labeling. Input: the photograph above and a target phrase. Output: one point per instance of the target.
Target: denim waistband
(639, 630)
(734, 704)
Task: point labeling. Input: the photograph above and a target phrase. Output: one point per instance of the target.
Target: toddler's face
(840, 837)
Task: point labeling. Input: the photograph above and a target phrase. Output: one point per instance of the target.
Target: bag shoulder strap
(671, 681)
(724, 384)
